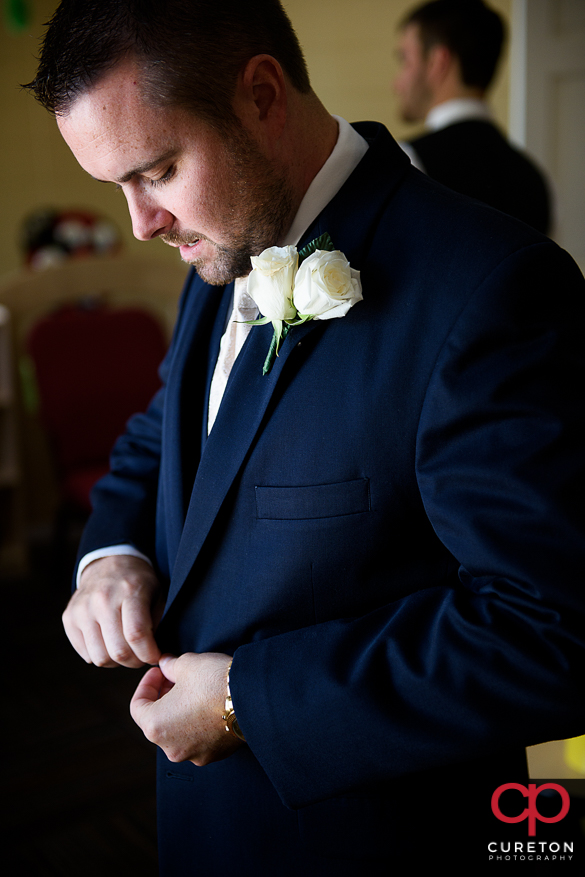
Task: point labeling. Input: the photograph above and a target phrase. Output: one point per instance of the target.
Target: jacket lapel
(240, 415)
(185, 385)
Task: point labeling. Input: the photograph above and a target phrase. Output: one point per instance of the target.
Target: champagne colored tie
(231, 344)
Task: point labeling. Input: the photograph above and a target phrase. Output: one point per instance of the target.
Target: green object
(17, 15)
(321, 243)
(28, 384)
(280, 333)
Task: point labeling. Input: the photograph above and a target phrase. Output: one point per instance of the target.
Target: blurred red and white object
(49, 236)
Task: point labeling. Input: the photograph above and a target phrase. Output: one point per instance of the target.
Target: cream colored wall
(349, 45)
(350, 49)
(38, 169)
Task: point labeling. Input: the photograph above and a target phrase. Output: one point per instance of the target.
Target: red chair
(95, 367)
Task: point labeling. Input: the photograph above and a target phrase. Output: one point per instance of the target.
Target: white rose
(326, 286)
(270, 283)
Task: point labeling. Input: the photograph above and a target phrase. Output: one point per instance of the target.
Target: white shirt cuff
(108, 552)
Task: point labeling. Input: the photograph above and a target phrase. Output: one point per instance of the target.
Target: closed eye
(164, 179)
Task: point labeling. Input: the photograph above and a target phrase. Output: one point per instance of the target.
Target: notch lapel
(240, 415)
(185, 385)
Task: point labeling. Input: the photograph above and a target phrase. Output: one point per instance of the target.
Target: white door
(547, 104)
(547, 118)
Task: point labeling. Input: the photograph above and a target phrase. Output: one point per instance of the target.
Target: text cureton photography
(538, 822)
(539, 851)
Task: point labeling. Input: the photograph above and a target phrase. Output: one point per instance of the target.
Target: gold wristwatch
(229, 716)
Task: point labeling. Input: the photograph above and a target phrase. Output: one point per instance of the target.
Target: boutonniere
(291, 287)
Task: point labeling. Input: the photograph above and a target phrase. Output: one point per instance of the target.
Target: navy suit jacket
(386, 531)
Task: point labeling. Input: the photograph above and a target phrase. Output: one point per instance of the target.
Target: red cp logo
(531, 812)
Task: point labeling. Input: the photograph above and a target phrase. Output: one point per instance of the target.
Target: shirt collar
(347, 154)
(457, 110)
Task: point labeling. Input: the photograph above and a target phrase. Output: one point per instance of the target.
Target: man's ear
(440, 61)
(261, 96)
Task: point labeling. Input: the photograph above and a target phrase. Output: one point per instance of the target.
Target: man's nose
(149, 219)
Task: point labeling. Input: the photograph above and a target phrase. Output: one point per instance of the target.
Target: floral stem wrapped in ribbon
(292, 287)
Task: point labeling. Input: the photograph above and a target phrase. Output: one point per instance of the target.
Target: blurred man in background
(448, 52)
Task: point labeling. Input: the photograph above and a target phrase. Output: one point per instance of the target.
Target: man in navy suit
(448, 54)
(380, 539)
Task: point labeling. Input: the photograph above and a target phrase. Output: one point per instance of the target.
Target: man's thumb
(167, 666)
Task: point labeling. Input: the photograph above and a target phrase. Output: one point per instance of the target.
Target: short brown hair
(472, 31)
(190, 52)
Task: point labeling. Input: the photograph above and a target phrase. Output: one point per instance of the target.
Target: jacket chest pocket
(313, 501)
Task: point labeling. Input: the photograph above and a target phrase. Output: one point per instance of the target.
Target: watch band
(229, 716)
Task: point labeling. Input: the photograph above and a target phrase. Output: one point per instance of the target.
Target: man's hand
(111, 617)
(179, 707)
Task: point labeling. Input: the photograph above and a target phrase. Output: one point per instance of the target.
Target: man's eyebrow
(143, 168)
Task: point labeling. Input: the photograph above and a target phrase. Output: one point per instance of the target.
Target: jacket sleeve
(124, 501)
(495, 657)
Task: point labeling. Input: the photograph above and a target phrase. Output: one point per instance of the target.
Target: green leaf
(303, 319)
(323, 242)
(261, 321)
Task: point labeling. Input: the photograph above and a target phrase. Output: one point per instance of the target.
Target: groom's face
(212, 195)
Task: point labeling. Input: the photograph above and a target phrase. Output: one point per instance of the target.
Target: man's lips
(173, 243)
(186, 246)
(188, 249)
(181, 240)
